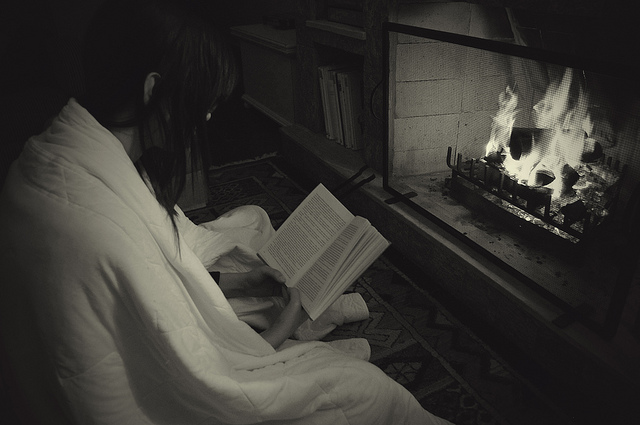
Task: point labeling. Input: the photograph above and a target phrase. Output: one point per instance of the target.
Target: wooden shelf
(346, 161)
(338, 28)
(283, 41)
(338, 36)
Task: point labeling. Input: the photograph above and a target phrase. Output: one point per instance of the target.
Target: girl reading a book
(110, 313)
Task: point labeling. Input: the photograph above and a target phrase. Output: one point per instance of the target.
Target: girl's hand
(262, 281)
(294, 302)
(265, 281)
(289, 320)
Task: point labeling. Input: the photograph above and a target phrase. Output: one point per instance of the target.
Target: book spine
(344, 108)
(334, 106)
(322, 77)
(351, 104)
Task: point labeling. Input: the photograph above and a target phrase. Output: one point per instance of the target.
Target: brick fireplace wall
(445, 95)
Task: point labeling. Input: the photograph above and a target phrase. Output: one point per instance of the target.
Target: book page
(303, 236)
(366, 245)
(369, 245)
(314, 282)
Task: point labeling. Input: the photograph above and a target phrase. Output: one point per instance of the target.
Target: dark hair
(129, 39)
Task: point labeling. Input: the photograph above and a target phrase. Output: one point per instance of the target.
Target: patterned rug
(413, 338)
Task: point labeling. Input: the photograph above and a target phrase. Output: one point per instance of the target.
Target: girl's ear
(149, 84)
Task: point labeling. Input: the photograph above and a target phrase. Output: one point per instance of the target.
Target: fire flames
(560, 151)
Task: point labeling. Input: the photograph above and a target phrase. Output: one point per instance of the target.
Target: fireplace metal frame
(608, 327)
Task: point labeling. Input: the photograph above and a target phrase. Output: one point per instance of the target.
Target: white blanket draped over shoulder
(136, 331)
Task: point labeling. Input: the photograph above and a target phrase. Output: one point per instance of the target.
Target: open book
(322, 249)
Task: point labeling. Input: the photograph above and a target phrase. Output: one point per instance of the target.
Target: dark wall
(601, 29)
(39, 53)
(33, 33)
(40, 67)
(243, 12)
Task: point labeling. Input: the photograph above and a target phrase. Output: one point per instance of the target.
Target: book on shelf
(322, 248)
(343, 98)
(330, 101)
(341, 94)
(350, 95)
(324, 94)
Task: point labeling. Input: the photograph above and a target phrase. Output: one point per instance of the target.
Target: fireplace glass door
(531, 157)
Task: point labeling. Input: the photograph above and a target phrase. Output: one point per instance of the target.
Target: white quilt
(135, 330)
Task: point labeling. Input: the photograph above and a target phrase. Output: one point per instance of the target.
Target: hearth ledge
(573, 354)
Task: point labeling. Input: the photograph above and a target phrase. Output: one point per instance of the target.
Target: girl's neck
(128, 136)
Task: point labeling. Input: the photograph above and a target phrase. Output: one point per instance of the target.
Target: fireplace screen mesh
(530, 157)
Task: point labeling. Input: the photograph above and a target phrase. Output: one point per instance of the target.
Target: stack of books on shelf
(341, 91)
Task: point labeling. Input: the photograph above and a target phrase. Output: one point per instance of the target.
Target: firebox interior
(530, 157)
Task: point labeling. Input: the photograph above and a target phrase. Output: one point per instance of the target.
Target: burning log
(521, 142)
(574, 212)
(537, 197)
(544, 177)
(593, 154)
(569, 178)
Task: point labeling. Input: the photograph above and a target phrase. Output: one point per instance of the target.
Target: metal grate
(574, 219)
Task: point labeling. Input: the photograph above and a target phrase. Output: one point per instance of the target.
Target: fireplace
(530, 156)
